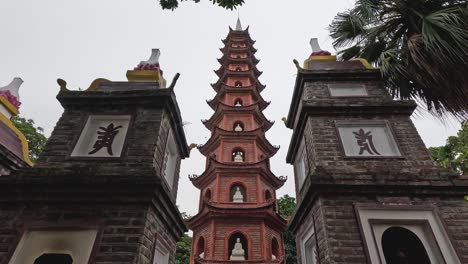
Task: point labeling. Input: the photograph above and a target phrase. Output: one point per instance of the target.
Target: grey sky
(87, 39)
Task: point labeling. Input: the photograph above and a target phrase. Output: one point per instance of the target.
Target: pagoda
(238, 219)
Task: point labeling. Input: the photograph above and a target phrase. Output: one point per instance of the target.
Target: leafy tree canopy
(34, 136)
(183, 249)
(228, 4)
(286, 207)
(421, 47)
(454, 154)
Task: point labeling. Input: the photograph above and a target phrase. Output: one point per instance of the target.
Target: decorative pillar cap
(9, 97)
(148, 70)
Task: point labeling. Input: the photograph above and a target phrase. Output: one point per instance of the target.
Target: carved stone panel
(103, 136)
(367, 139)
(347, 90)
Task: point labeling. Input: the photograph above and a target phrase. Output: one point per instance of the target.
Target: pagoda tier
(238, 47)
(216, 168)
(225, 60)
(237, 69)
(241, 36)
(220, 137)
(244, 78)
(251, 116)
(235, 92)
(238, 219)
(265, 212)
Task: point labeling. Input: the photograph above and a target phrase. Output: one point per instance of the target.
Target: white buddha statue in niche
(238, 253)
(238, 197)
(238, 157)
(238, 128)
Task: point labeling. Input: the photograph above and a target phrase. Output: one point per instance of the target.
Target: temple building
(14, 153)
(237, 219)
(104, 189)
(366, 187)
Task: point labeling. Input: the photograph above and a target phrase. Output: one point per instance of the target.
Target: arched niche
(400, 245)
(200, 249)
(237, 193)
(238, 155)
(238, 84)
(275, 249)
(268, 195)
(53, 258)
(238, 69)
(238, 126)
(208, 195)
(238, 102)
(238, 247)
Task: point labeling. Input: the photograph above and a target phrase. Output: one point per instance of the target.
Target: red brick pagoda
(238, 220)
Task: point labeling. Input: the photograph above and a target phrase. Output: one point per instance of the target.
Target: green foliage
(421, 47)
(183, 249)
(227, 4)
(454, 154)
(286, 207)
(34, 136)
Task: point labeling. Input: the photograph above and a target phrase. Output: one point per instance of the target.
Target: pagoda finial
(238, 25)
(316, 50)
(315, 45)
(148, 70)
(9, 97)
(154, 58)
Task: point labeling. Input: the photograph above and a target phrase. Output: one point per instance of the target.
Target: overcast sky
(80, 41)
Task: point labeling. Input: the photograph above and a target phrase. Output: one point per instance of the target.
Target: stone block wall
(326, 159)
(128, 232)
(338, 231)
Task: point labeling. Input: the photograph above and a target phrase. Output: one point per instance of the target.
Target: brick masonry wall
(319, 90)
(229, 119)
(138, 154)
(142, 155)
(128, 232)
(326, 159)
(230, 99)
(205, 233)
(231, 81)
(251, 150)
(338, 231)
(250, 228)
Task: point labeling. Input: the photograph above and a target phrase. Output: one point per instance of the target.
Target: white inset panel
(308, 245)
(347, 89)
(300, 164)
(102, 136)
(171, 157)
(77, 243)
(161, 254)
(367, 140)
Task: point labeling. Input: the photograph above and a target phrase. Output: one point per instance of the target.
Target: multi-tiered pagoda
(238, 219)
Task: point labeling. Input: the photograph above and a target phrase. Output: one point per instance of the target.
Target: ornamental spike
(315, 45)
(238, 25)
(13, 87)
(11, 92)
(154, 58)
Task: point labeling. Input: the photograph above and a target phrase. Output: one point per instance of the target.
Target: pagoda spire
(238, 25)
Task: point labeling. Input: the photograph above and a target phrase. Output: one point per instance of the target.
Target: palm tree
(421, 47)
